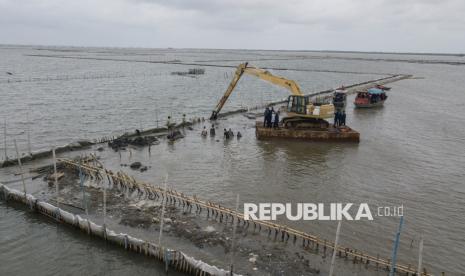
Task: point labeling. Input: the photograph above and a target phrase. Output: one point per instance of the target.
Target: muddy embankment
(137, 138)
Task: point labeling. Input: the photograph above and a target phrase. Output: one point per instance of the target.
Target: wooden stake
(28, 133)
(420, 255)
(331, 269)
(395, 247)
(233, 242)
(104, 205)
(162, 211)
(156, 114)
(4, 140)
(55, 176)
(20, 167)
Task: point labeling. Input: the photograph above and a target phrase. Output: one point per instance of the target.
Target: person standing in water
(204, 132)
(212, 131)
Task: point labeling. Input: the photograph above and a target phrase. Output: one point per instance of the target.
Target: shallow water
(411, 150)
(30, 243)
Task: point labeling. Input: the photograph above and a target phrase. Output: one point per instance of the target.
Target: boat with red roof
(370, 98)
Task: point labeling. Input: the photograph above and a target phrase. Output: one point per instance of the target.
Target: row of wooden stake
(128, 184)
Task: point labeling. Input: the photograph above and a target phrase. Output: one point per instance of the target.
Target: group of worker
(205, 132)
(339, 118)
(227, 133)
(270, 120)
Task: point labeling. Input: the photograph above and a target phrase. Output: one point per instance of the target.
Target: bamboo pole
(233, 242)
(104, 205)
(81, 182)
(162, 211)
(4, 140)
(420, 255)
(57, 190)
(28, 129)
(20, 167)
(331, 269)
(396, 246)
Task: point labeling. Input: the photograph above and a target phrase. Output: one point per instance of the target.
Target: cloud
(379, 25)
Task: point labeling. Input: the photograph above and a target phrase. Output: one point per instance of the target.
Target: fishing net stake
(81, 183)
(233, 242)
(333, 259)
(28, 133)
(420, 255)
(4, 140)
(20, 167)
(162, 211)
(395, 247)
(104, 206)
(57, 191)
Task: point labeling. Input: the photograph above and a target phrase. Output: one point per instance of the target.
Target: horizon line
(245, 49)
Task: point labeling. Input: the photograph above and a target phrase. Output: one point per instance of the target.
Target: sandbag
(116, 238)
(67, 217)
(213, 270)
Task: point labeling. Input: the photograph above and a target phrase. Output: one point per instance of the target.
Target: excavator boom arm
(259, 73)
(232, 85)
(280, 81)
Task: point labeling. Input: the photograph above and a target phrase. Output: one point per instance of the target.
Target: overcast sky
(360, 25)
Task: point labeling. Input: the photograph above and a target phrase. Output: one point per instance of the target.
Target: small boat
(370, 98)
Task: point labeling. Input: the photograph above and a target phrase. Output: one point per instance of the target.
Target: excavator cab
(297, 104)
(303, 106)
(304, 113)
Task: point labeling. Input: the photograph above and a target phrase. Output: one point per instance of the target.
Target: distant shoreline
(45, 47)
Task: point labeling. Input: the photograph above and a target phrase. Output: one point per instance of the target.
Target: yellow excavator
(301, 111)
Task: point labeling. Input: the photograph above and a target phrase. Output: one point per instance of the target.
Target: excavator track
(305, 123)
